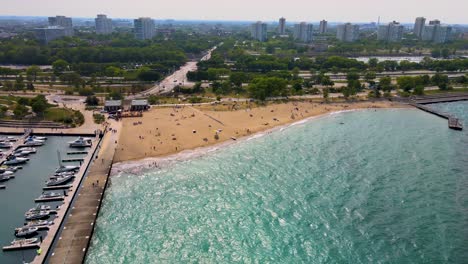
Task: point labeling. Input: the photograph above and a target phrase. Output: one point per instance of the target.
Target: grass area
(458, 90)
(64, 115)
(98, 118)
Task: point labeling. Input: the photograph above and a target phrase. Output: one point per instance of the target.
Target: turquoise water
(387, 186)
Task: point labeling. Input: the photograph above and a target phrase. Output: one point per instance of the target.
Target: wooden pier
(453, 122)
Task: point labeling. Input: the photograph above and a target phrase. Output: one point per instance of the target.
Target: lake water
(21, 191)
(374, 186)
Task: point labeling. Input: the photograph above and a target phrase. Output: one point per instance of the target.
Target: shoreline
(141, 165)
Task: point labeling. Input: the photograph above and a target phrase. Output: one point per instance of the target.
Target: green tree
(20, 111)
(263, 87)
(369, 77)
(92, 100)
(32, 72)
(325, 93)
(59, 66)
(39, 107)
(406, 83)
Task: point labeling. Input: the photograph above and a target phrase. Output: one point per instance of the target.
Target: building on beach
(113, 105)
(139, 105)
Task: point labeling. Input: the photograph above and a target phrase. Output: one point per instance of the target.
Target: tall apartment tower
(282, 26)
(64, 22)
(103, 25)
(437, 33)
(323, 27)
(259, 31)
(419, 26)
(303, 32)
(347, 32)
(392, 32)
(144, 28)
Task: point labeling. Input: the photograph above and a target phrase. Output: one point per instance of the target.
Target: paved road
(179, 77)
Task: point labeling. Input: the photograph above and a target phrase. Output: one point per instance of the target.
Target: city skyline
(450, 11)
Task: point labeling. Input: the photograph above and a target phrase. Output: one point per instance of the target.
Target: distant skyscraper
(64, 22)
(103, 25)
(392, 32)
(282, 26)
(46, 35)
(323, 27)
(303, 32)
(259, 31)
(347, 32)
(419, 26)
(144, 28)
(437, 33)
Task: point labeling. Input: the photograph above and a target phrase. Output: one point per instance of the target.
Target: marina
(29, 183)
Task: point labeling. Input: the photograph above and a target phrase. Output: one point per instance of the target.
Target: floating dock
(21, 247)
(77, 152)
(73, 160)
(51, 199)
(58, 187)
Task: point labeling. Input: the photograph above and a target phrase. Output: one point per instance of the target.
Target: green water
(21, 191)
(386, 186)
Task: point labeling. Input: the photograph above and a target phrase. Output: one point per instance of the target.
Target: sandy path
(164, 131)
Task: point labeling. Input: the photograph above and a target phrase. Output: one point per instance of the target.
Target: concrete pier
(72, 243)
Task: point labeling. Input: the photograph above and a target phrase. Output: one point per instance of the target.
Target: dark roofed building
(113, 105)
(139, 105)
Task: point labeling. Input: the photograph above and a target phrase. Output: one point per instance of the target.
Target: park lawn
(64, 115)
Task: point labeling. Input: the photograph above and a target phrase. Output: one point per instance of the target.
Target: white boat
(38, 223)
(6, 173)
(6, 145)
(60, 180)
(68, 168)
(15, 161)
(10, 168)
(27, 149)
(39, 138)
(81, 143)
(6, 178)
(19, 242)
(9, 139)
(41, 207)
(33, 143)
(37, 215)
(26, 231)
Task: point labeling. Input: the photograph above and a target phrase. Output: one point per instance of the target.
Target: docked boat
(24, 241)
(9, 139)
(39, 138)
(6, 178)
(6, 173)
(69, 168)
(36, 215)
(41, 207)
(5, 145)
(39, 223)
(28, 150)
(26, 231)
(15, 160)
(30, 142)
(81, 143)
(50, 196)
(60, 180)
(62, 174)
(10, 168)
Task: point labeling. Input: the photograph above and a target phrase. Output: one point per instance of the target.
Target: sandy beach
(165, 131)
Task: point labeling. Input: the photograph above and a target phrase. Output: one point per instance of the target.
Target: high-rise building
(392, 32)
(46, 35)
(144, 28)
(347, 32)
(282, 26)
(419, 26)
(303, 32)
(437, 33)
(323, 27)
(103, 25)
(64, 22)
(259, 31)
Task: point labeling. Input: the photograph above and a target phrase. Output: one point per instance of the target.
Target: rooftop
(113, 103)
(139, 102)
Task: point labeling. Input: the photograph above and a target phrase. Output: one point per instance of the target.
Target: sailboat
(63, 168)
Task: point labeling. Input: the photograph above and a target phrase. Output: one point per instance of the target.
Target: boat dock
(58, 187)
(73, 160)
(16, 145)
(77, 152)
(69, 239)
(51, 199)
(453, 122)
(21, 247)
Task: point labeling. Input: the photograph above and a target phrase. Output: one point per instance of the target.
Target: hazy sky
(448, 11)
